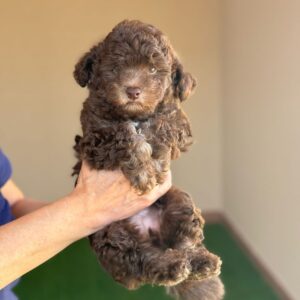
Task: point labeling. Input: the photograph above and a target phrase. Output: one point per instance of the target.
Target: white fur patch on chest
(148, 218)
(135, 124)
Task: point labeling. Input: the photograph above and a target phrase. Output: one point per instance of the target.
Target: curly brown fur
(132, 119)
(207, 289)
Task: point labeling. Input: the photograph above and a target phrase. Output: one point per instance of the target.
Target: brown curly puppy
(132, 119)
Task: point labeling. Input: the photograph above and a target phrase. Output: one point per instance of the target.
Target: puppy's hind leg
(166, 268)
(204, 264)
(181, 224)
(117, 249)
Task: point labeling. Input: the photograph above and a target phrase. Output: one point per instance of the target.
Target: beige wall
(262, 130)
(40, 102)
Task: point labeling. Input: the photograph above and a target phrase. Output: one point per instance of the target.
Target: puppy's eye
(152, 70)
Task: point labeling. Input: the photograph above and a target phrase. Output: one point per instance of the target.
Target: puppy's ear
(183, 83)
(84, 67)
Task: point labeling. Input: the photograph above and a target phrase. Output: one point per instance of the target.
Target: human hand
(107, 196)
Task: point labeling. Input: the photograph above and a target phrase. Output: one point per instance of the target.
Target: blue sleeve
(5, 169)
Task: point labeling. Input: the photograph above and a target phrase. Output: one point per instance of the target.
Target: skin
(44, 229)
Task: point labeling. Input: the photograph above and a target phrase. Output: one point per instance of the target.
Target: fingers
(85, 166)
(94, 179)
(161, 189)
(84, 170)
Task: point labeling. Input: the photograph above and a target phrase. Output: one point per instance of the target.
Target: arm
(19, 204)
(100, 197)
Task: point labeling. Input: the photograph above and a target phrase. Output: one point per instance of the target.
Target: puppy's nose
(133, 92)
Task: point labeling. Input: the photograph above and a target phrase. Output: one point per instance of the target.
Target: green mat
(241, 278)
(74, 274)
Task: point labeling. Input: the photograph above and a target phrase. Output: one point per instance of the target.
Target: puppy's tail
(206, 289)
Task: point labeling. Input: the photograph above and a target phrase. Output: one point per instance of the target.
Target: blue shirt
(5, 174)
(5, 217)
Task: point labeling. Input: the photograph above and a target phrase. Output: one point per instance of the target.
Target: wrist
(81, 217)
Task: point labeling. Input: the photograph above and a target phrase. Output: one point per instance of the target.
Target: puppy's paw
(205, 266)
(143, 182)
(171, 273)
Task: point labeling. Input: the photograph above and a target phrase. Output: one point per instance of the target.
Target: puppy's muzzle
(133, 93)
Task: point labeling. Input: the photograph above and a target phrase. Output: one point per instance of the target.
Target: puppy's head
(134, 69)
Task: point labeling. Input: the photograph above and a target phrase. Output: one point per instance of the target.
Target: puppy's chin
(136, 109)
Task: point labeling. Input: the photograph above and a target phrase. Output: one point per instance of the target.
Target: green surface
(241, 278)
(74, 274)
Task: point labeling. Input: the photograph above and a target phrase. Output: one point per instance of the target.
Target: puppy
(133, 120)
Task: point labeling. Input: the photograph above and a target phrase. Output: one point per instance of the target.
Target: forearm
(20, 205)
(25, 206)
(34, 238)
(98, 199)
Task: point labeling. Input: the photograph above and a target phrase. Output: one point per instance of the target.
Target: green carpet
(241, 278)
(74, 274)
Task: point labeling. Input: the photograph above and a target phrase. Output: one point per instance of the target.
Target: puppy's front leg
(137, 165)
